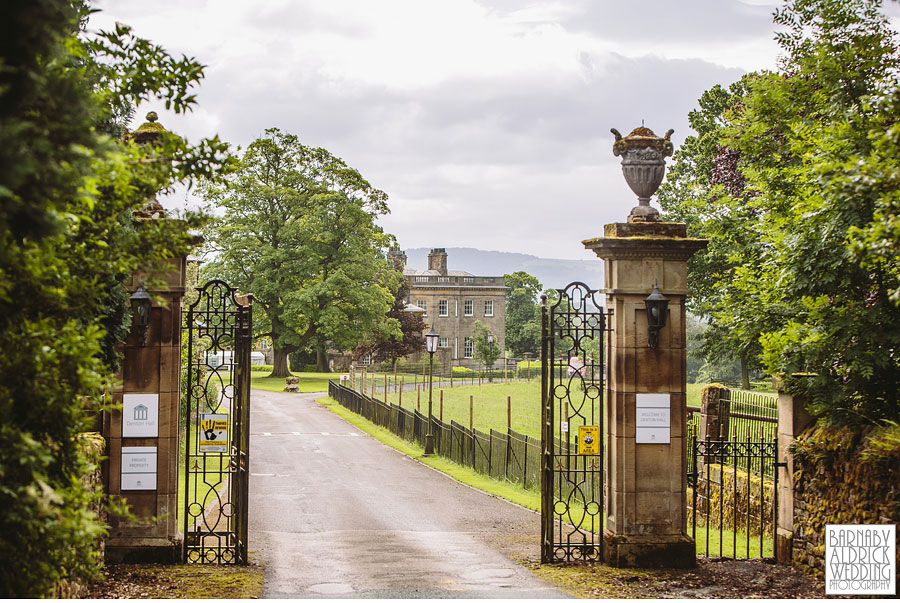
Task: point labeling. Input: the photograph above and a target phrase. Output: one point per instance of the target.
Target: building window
(468, 279)
(366, 360)
(489, 307)
(443, 308)
(443, 342)
(421, 279)
(468, 347)
(443, 279)
(424, 305)
(468, 308)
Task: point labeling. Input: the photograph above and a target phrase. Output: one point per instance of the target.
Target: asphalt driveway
(335, 513)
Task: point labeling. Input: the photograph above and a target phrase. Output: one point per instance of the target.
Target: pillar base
(649, 551)
(142, 550)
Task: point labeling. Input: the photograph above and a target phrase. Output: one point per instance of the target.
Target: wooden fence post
(385, 388)
(442, 407)
(471, 412)
(418, 398)
(508, 413)
(400, 394)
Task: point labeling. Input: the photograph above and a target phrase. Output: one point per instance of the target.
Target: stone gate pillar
(143, 432)
(143, 436)
(646, 461)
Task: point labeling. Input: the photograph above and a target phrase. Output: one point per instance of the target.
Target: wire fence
(503, 455)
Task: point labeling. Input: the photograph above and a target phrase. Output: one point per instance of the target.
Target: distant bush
(461, 371)
(261, 368)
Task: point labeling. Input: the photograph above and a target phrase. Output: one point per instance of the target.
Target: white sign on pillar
(139, 467)
(652, 419)
(140, 416)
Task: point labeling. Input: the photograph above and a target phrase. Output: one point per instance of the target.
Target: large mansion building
(453, 300)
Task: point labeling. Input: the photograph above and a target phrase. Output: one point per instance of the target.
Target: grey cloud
(643, 20)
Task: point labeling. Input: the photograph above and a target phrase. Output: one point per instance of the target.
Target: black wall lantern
(140, 311)
(657, 304)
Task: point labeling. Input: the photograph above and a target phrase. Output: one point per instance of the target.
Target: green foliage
(388, 345)
(807, 138)
(462, 371)
(298, 232)
(523, 313)
(528, 369)
(68, 187)
(486, 351)
(801, 209)
(705, 190)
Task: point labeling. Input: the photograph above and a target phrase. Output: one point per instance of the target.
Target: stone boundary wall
(842, 476)
(94, 446)
(738, 502)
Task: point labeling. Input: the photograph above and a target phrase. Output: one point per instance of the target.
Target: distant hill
(553, 273)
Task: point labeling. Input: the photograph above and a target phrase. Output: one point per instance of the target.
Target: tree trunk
(280, 366)
(745, 374)
(321, 359)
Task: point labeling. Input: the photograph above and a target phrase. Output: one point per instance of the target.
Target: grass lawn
(489, 405)
(309, 382)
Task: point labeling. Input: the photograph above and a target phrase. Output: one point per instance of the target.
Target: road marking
(300, 433)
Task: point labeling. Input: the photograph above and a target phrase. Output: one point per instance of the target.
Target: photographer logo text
(860, 559)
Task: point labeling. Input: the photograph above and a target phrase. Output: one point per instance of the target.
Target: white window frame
(488, 303)
(468, 347)
(468, 308)
(444, 342)
(423, 303)
(443, 307)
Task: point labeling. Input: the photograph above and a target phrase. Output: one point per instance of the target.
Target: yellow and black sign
(588, 439)
(213, 432)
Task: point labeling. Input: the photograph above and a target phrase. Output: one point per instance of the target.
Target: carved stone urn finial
(644, 166)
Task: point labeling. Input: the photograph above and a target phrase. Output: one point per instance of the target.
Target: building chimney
(397, 258)
(437, 260)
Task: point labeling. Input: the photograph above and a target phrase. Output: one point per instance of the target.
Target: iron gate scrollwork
(216, 425)
(572, 383)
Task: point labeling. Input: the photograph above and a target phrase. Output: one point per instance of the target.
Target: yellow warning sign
(213, 432)
(588, 439)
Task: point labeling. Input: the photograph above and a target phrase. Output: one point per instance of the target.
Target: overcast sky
(486, 121)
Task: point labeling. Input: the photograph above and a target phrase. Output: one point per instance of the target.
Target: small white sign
(652, 419)
(139, 467)
(564, 426)
(140, 416)
(860, 559)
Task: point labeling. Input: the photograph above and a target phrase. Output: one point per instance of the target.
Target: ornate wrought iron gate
(572, 383)
(733, 496)
(216, 425)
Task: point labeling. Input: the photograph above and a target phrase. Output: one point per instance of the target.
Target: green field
(489, 402)
(309, 382)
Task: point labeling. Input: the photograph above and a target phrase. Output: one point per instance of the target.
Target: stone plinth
(153, 369)
(647, 483)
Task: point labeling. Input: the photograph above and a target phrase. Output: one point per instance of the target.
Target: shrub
(462, 371)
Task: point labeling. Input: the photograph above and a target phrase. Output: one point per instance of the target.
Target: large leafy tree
(807, 135)
(523, 313)
(705, 190)
(813, 275)
(389, 346)
(299, 233)
(69, 183)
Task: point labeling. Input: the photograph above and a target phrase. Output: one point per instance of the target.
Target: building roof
(411, 272)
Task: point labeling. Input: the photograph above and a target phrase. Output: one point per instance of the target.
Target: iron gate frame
(710, 452)
(218, 533)
(560, 468)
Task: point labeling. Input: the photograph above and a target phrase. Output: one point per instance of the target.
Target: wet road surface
(335, 513)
